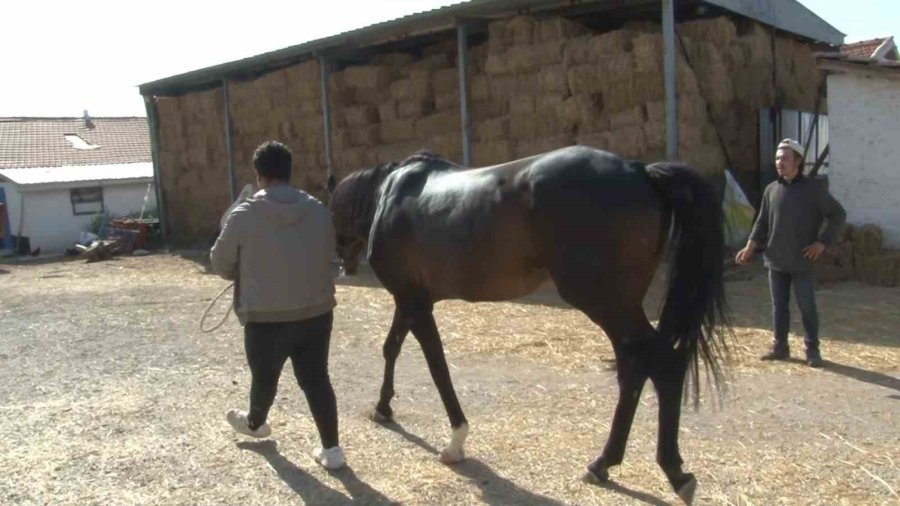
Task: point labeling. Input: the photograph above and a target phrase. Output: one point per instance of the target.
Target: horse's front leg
(425, 330)
(391, 350)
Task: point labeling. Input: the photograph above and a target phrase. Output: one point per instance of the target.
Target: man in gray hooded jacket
(277, 246)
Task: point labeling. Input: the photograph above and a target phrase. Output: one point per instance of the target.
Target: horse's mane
(359, 191)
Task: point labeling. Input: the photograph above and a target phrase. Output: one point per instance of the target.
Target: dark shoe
(813, 358)
(777, 353)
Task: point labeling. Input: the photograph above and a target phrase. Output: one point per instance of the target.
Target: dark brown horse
(594, 223)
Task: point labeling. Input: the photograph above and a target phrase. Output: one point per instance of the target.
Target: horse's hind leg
(425, 330)
(667, 374)
(628, 340)
(392, 344)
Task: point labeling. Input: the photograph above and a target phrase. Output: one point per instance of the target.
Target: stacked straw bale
(534, 86)
(858, 254)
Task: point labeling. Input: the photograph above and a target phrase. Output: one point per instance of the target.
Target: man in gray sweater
(277, 246)
(789, 228)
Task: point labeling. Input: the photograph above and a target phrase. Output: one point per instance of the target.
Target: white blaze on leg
(455, 451)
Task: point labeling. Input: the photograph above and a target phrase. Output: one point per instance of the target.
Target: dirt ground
(110, 394)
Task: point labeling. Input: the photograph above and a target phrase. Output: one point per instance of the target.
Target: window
(87, 200)
(78, 143)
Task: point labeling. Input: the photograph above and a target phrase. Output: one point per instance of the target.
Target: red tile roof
(41, 142)
(863, 49)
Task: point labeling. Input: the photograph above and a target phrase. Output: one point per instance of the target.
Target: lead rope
(209, 307)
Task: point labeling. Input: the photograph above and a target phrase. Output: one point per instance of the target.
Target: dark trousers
(805, 293)
(305, 342)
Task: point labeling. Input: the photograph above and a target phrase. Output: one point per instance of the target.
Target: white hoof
(377, 417)
(452, 456)
(455, 451)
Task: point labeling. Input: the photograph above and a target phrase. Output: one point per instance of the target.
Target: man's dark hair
(272, 160)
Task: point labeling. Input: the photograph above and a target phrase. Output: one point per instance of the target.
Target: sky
(59, 58)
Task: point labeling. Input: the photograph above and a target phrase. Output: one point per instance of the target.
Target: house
(57, 175)
(864, 107)
(488, 81)
(874, 49)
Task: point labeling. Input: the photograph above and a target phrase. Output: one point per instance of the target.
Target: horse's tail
(694, 314)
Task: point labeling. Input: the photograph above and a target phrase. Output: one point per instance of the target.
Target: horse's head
(353, 204)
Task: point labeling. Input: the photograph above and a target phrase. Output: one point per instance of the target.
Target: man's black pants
(305, 342)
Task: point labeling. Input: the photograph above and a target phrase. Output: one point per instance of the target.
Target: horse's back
(489, 233)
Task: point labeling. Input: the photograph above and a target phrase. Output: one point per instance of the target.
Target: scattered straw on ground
(111, 395)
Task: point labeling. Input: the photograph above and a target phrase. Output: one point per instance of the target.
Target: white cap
(791, 144)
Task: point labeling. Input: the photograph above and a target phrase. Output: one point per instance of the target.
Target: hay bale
(599, 140)
(558, 28)
(481, 110)
(412, 109)
(492, 152)
(868, 240)
(584, 79)
(584, 112)
(393, 59)
(429, 64)
(447, 101)
(373, 96)
(360, 115)
(368, 76)
(647, 52)
(491, 129)
(477, 58)
(628, 142)
(550, 105)
(303, 73)
(397, 131)
(497, 65)
(719, 31)
(437, 124)
(655, 135)
(504, 87)
(528, 59)
(553, 79)
(655, 111)
(633, 116)
(880, 270)
(846, 234)
(387, 111)
(445, 81)
(692, 109)
(618, 95)
(543, 145)
(522, 104)
(409, 88)
(519, 30)
(522, 127)
(365, 136)
(648, 87)
(479, 88)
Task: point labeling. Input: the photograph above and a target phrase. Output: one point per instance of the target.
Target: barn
(714, 83)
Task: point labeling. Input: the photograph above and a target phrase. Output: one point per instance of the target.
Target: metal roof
(140, 172)
(787, 15)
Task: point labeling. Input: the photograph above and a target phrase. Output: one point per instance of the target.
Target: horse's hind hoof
(595, 478)
(686, 491)
(451, 456)
(377, 417)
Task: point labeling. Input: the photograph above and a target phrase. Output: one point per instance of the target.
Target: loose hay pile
(111, 395)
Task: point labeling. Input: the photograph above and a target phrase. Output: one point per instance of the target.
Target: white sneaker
(239, 422)
(332, 458)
